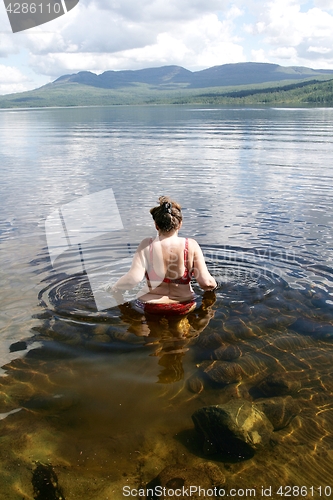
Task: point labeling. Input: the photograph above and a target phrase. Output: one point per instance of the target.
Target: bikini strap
(150, 263)
(186, 254)
(151, 251)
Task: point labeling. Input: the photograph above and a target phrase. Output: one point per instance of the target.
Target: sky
(101, 35)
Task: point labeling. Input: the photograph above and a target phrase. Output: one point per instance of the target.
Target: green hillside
(313, 92)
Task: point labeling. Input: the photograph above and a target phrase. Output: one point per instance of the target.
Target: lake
(96, 399)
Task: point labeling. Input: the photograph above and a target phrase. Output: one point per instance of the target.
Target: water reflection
(169, 338)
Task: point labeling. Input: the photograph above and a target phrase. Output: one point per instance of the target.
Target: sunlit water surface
(105, 398)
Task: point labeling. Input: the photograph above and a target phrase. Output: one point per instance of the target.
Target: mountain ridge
(236, 84)
(248, 73)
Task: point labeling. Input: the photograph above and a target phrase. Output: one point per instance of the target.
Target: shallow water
(106, 396)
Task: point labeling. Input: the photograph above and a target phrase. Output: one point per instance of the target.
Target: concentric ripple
(253, 275)
(69, 295)
(264, 283)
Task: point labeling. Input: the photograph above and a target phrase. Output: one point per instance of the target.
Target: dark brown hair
(167, 215)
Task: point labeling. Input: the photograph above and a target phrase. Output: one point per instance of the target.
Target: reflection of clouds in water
(4, 415)
(235, 180)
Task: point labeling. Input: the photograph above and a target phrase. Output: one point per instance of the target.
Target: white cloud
(259, 56)
(152, 11)
(292, 36)
(95, 30)
(233, 13)
(8, 73)
(11, 78)
(195, 44)
(324, 4)
(7, 45)
(100, 35)
(284, 53)
(320, 50)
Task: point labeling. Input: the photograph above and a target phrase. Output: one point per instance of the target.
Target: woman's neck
(170, 234)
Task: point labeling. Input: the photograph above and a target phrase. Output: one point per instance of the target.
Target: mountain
(218, 76)
(117, 79)
(241, 83)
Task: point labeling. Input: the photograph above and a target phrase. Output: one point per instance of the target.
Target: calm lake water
(94, 400)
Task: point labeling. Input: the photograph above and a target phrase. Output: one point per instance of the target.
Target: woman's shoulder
(146, 240)
(145, 243)
(192, 243)
(193, 247)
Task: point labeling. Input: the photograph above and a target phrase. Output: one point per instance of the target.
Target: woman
(169, 263)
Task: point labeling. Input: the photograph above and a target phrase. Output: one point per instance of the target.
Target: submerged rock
(45, 483)
(236, 391)
(18, 346)
(223, 372)
(278, 384)
(235, 427)
(176, 477)
(279, 411)
(195, 384)
(246, 367)
(315, 328)
(227, 352)
(238, 327)
(292, 342)
(51, 403)
(209, 340)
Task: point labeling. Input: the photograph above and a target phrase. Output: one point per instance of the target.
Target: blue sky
(99, 35)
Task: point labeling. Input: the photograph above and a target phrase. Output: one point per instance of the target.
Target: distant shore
(233, 84)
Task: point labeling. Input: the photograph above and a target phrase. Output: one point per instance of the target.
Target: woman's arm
(137, 270)
(205, 280)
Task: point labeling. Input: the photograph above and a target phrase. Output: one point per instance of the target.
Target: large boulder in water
(236, 428)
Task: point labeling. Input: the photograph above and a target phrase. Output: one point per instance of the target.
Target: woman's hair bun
(164, 199)
(167, 207)
(167, 215)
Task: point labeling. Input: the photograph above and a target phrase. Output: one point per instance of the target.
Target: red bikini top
(151, 274)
